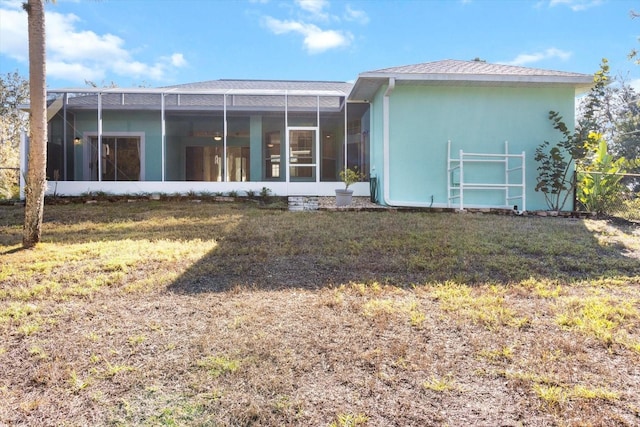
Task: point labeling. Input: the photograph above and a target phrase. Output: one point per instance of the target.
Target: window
(272, 155)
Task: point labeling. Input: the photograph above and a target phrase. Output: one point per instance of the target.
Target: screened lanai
(218, 136)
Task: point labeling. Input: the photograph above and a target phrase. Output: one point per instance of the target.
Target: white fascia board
(369, 83)
(365, 88)
(160, 91)
(492, 78)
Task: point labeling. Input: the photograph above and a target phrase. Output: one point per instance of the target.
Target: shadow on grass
(315, 250)
(14, 250)
(77, 223)
(268, 249)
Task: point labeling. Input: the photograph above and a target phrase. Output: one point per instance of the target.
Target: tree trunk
(36, 181)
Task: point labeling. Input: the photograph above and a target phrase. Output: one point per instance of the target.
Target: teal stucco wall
(145, 123)
(475, 119)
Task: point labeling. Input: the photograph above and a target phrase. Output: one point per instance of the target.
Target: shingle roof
(452, 66)
(266, 85)
(455, 72)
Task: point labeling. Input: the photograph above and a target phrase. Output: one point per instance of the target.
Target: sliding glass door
(205, 164)
(120, 159)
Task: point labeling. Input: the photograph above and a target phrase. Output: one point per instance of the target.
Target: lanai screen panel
(81, 110)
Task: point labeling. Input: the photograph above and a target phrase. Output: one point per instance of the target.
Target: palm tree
(36, 181)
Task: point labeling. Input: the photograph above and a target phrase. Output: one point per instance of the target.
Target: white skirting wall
(77, 188)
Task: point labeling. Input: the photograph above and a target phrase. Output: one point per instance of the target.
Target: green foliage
(555, 179)
(351, 175)
(265, 195)
(625, 140)
(14, 91)
(600, 188)
(631, 208)
(557, 161)
(8, 189)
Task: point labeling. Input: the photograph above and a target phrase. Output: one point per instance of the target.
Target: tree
(625, 141)
(558, 161)
(14, 91)
(36, 182)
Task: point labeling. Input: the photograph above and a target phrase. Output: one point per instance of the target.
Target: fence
(9, 183)
(613, 194)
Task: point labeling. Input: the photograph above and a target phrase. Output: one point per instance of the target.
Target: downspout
(224, 139)
(163, 138)
(24, 164)
(385, 148)
(385, 140)
(100, 166)
(64, 137)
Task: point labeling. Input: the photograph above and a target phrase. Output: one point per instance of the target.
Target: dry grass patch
(205, 314)
(485, 305)
(609, 319)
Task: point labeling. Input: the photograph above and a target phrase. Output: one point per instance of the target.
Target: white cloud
(575, 5)
(635, 84)
(528, 58)
(315, 7)
(177, 60)
(315, 40)
(78, 72)
(355, 15)
(11, 4)
(77, 55)
(13, 31)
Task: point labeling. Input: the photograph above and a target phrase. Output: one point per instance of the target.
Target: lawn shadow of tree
(315, 250)
(273, 249)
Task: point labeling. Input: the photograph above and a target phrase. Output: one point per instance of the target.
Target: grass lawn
(180, 313)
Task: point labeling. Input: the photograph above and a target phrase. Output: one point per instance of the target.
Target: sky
(155, 43)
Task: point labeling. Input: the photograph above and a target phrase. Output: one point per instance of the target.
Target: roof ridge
(459, 66)
(280, 80)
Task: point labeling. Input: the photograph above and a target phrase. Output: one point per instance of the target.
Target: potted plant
(348, 176)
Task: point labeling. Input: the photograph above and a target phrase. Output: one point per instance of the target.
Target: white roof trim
(369, 83)
(494, 78)
(176, 91)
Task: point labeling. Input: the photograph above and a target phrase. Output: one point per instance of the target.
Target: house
(445, 133)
